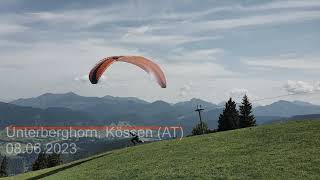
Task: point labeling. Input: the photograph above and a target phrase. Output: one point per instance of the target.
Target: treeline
(3, 166)
(231, 118)
(46, 161)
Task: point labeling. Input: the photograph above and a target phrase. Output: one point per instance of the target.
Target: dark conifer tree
(229, 119)
(3, 167)
(246, 118)
(41, 162)
(54, 159)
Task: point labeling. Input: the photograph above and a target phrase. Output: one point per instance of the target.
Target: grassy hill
(279, 151)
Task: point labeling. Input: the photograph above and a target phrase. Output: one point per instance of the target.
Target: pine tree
(54, 159)
(246, 118)
(200, 129)
(3, 167)
(229, 119)
(41, 162)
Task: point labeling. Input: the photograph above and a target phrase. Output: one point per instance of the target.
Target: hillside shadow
(65, 168)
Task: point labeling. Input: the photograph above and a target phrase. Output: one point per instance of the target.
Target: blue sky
(210, 50)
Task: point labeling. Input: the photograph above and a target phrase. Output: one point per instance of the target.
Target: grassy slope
(281, 151)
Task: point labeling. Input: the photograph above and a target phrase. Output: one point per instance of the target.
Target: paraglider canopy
(144, 63)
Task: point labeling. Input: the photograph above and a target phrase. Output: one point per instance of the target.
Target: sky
(211, 50)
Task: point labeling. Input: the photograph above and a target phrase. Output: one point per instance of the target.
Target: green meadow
(278, 151)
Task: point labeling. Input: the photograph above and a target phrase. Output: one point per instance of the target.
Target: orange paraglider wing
(145, 64)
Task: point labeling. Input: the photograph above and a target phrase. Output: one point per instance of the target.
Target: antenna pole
(199, 109)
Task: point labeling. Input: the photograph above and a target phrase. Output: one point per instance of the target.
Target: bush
(201, 128)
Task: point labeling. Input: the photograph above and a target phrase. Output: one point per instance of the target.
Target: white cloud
(302, 63)
(11, 28)
(287, 4)
(277, 5)
(83, 79)
(255, 20)
(237, 94)
(154, 39)
(137, 31)
(202, 55)
(194, 69)
(186, 89)
(81, 18)
(290, 5)
(301, 87)
(140, 36)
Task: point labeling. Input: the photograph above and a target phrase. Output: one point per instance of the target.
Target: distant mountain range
(19, 115)
(73, 109)
(287, 109)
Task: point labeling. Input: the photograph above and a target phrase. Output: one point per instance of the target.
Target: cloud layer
(206, 49)
(295, 87)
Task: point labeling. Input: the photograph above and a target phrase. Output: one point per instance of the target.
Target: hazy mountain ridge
(287, 109)
(70, 100)
(110, 109)
(17, 115)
